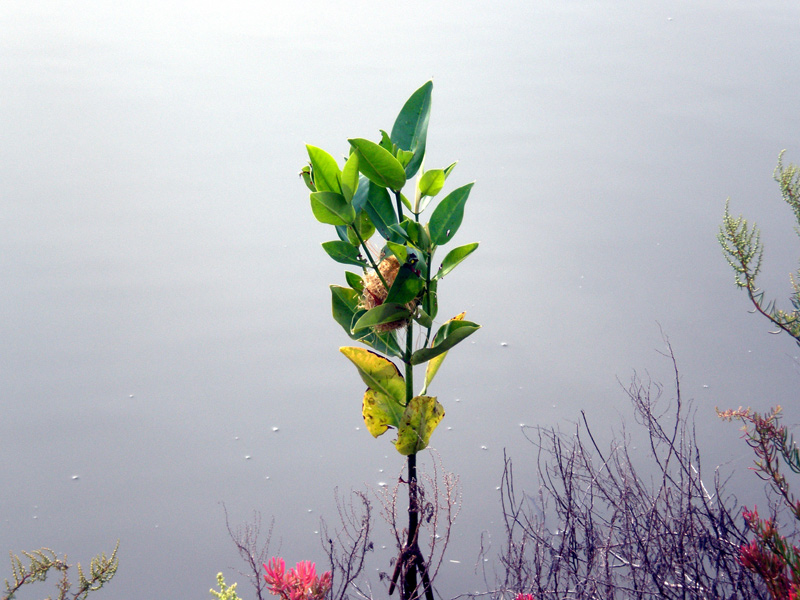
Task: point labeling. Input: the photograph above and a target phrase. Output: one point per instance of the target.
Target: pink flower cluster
(769, 556)
(300, 583)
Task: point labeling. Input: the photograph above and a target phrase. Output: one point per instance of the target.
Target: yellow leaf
(379, 373)
(420, 418)
(380, 412)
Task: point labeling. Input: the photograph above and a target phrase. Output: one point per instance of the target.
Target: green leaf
(380, 412)
(386, 142)
(399, 250)
(360, 197)
(381, 212)
(432, 182)
(435, 362)
(404, 156)
(410, 130)
(344, 252)
(431, 299)
(378, 165)
(354, 281)
(324, 170)
(388, 312)
(377, 372)
(449, 334)
(350, 177)
(407, 285)
(345, 302)
(454, 257)
(420, 418)
(423, 319)
(305, 173)
(364, 226)
(449, 169)
(332, 208)
(417, 235)
(446, 218)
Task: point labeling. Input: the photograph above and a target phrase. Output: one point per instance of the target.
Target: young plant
(396, 287)
(742, 246)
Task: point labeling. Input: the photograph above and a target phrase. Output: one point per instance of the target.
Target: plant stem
(369, 257)
(413, 556)
(428, 259)
(399, 205)
(410, 581)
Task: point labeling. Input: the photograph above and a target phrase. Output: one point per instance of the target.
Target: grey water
(165, 334)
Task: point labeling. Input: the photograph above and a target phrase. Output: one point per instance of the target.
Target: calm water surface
(165, 303)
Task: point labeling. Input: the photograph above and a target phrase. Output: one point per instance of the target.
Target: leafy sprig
(741, 243)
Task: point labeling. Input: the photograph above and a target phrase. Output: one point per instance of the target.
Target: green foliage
(378, 165)
(44, 561)
(225, 592)
(742, 246)
(410, 130)
(398, 285)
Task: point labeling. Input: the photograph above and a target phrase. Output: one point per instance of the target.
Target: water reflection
(165, 292)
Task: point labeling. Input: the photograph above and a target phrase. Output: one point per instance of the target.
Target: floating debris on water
(382, 484)
(75, 477)
(455, 562)
(484, 448)
(275, 429)
(504, 344)
(247, 457)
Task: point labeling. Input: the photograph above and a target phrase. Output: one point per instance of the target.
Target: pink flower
(300, 583)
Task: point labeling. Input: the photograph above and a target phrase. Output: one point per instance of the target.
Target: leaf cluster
(397, 287)
(741, 244)
(225, 592)
(42, 562)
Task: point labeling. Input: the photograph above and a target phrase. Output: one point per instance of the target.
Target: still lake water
(165, 302)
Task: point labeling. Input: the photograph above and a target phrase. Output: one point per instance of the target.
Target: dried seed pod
(375, 293)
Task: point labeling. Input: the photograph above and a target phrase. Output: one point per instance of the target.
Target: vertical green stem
(399, 205)
(410, 581)
(428, 259)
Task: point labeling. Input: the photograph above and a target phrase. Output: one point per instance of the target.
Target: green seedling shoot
(395, 286)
